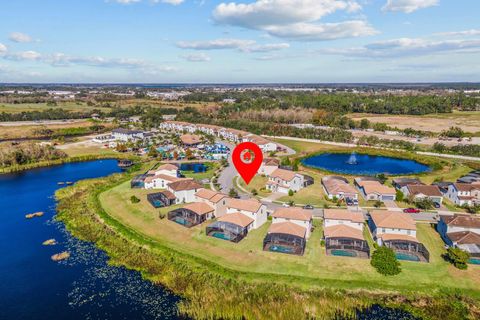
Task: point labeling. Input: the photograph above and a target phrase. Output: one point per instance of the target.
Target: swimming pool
(406, 256)
(220, 235)
(474, 261)
(181, 221)
(281, 249)
(343, 253)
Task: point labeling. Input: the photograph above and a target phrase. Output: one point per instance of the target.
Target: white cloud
(266, 47)
(471, 32)
(3, 48)
(215, 44)
(294, 19)
(408, 6)
(196, 57)
(406, 47)
(23, 55)
(20, 37)
(172, 2)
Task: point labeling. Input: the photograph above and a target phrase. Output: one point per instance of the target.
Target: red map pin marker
(247, 158)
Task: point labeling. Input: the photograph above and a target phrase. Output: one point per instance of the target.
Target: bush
(254, 192)
(399, 195)
(134, 199)
(457, 257)
(161, 215)
(269, 218)
(322, 243)
(290, 192)
(377, 204)
(424, 203)
(385, 261)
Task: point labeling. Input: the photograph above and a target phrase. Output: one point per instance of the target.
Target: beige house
(250, 208)
(268, 166)
(214, 199)
(374, 190)
(422, 191)
(295, 215)
(464, 193)
(338, 187)
(184, 190)
(282, 181)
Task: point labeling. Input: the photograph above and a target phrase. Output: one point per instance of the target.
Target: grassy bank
(223, 280)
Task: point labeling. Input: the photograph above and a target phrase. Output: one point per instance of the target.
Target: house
(461, 231)
(464, 193)
(191, 214)
(159, 181)
(161, 199)
(214, 199)
(338, 187)
(343, 233)
(184, 190)
(251, 208)
(398, 231)
(295, 215)
(472, 177)
(374, 190)
(418, 191)
(167, 169)
(399, 183)
(268, 166)
(264, 144)
(285, 237)
(282, 181)
(190, 140)
(126, 135)
(231, 227)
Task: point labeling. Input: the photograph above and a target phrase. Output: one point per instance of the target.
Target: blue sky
(169, 41)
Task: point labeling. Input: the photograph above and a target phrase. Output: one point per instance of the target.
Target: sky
(239, 41)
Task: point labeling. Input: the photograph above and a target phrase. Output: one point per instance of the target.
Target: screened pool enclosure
(186, 217)
(227, 231)
(284, 243)
(347, 247)
(408, 250)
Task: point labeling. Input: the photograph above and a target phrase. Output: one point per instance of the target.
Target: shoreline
(182, 273)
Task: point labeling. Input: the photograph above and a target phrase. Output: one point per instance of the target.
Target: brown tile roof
(168, 166)
(343, 231)
(168, 194)
(210, 195)
(286, 175)
(294, 213)
(271, 162)
(187, 184)
(462, 220)
(250, 205)
(190, 139)
(376, 187)
(258, 140)
(288, 228)
(199, 208)
(163, 177)
(343, 214)
(393, 220)
(236, 218)
(391, 236)
(336, 186)
(464, 237)
(466, 186)
(431, 191)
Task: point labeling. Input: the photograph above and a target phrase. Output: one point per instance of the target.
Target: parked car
(286, 205)
(436, 205)
(308, 207)
(411, 210)
(349, 202)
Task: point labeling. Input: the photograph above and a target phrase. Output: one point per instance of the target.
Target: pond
(195, 167)
(364, 164)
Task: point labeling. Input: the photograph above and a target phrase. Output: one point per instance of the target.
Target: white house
(268, 166)
(352, 219)
(419, 191)
(374, 190)
(250, 208)
(216, 200)
(463, 193)
(390, 225)
(462, 231)
(295, 215)
(264, 144)
(282, 181)
(167, 169)
(338, 187)
(160, 181)
(126, 135)
(184, 190)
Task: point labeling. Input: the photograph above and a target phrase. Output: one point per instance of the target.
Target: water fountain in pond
(353, 159)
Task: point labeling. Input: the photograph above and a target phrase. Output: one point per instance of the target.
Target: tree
(458, 257)
(385, 261)
(453, 132)
(377, 204)
(121, 147)
(285, 161)
(295, 165)
(424, 203)
(175, 154)
(382, 177)
(153, 152)
(290, 193)
(189, 154)
(364, 124)
(134, 199)
(254, 192)
(399, 195)
(233, 193)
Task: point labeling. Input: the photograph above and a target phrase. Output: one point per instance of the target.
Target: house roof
(250, 205)
(165, 177)
(236, 218)
(376, 187)
(168, 194)
(271, 162)
(210, 195)
(392, 220)
(186, 184)
(464, 237)
(391, 236)
(430, 191)
(336, 186)
(168, 167)
(343, 231)
(126, 131)
(343, 214)
(294, 213)
(199, 208)
(286, 175)
(466, 187)
(462, 220)
(288, 228)
(402, 182)
(190, 139)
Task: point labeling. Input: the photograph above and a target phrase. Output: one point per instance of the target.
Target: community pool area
(220, 235)
(474, 261)
(343, 253)
(406, 256)
(281, 249)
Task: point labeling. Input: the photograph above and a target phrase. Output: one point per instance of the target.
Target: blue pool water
(181, 221)
(474, 261)
(365, 164)
(406, 256)
(32, 286)
(195, 167)
(343, 253)
(281, 249)
(220, 235)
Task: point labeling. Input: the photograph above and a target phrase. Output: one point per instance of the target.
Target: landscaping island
(219, 279)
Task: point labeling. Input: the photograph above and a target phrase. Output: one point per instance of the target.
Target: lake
(84, 286)
(364, 164)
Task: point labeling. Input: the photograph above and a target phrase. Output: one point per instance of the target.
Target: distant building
(190, 140)
(127, 135)
(461, 231)
(464, 193)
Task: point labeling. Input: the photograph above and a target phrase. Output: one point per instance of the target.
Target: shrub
(385, 261)
(322, 243)
(425, 203)
(134, 199)
(399, 195)
(457, 257)
(254, 192)
(269, 218)
(290, 192)
(161, 215)
(377, 204)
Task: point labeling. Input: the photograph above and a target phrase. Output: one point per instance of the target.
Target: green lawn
(67, 105)
(315, 268)
(258, 183)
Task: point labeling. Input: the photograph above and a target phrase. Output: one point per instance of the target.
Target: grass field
(315, 267)
(69, 106)
(469, 121)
